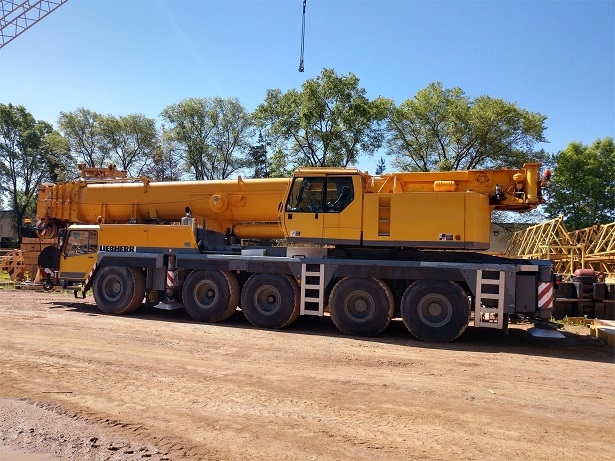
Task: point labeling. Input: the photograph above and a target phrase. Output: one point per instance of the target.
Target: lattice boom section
(18, 16)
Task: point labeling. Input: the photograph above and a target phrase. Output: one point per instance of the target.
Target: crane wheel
(118, 290)
(435, 310)
(48, 285)
(361, 307)
(270, 300)
(210, 296)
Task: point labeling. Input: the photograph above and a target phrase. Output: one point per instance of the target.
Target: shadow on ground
(517, 341)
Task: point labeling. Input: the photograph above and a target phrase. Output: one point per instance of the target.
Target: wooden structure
(22, 264)
(12, 262)
(589, 248)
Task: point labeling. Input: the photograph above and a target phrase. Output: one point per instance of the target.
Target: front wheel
(118, 290)
(270, 300)
(361, 307)
(435, 310)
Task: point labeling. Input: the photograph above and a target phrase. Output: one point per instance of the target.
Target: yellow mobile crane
(397, 244)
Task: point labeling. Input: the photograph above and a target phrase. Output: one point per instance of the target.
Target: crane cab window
(340, 194)
(306, 195)
(81, 242)
(320, 194)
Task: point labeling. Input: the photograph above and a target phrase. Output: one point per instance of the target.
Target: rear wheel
(270, 300)
(210, 296)
(118, 290)
(361, 307)
(435, 310)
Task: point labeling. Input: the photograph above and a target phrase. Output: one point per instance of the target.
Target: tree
(278, 166)
(83, 131)
(213, 133)
(583, 184)
(61, 166)
(128, 141)
(330, 122)
(443, 129)
(381, 167)
(257, 158)
(97, 140)
(25, 147)
(165, 162)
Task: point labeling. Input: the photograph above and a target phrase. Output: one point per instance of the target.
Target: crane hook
(302, 37)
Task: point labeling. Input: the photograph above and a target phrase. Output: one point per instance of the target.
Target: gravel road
(79, 385)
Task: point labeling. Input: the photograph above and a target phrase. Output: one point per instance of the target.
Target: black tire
(48, 285)
(435, 310)
(118, 290)
(210, 296)
(361, 307)
(270, 300)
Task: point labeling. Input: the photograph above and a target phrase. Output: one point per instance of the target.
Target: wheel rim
(112, 288)
(267, 300)
(435, 310)
(205, 294)
(359, 305)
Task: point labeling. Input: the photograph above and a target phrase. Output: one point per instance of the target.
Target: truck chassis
(434, 293)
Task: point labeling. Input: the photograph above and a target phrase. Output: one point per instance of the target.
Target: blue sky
(138, 56)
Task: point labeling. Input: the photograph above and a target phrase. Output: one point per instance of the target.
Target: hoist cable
(302, 37)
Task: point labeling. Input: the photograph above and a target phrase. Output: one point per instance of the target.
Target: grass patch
(576, 321)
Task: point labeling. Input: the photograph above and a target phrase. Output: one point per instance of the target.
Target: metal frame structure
(17, 17)
(599, 243)
(589, 248)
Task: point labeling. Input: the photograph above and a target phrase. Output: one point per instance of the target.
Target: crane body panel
(338, 206)
(222, 204)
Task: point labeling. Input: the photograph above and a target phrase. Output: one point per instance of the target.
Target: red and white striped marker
(545, 295)
(87, 279)
(170, 279)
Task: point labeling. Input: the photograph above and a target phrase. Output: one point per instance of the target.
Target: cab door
(303, 213)
(78, 254)
(343, 210)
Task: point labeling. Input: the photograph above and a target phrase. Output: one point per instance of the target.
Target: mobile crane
(364, 248)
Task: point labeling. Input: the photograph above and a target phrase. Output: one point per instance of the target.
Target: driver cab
(324, 209)
(78, 253)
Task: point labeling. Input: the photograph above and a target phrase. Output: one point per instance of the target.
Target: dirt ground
(79, 385)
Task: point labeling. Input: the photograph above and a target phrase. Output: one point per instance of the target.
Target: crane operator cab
(324, 208)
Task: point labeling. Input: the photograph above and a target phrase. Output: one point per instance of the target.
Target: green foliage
(381, 166)
(213, 134)
(165, 162)
(98, 140)
(24, 148)
(330, 122)
(61, 165)
(257, 158)
(443, 129)
(129, 141)
(278, 166)
(583, 184)
(82, 129)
